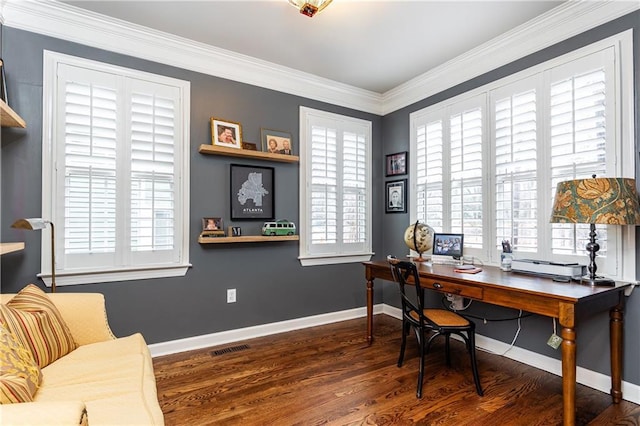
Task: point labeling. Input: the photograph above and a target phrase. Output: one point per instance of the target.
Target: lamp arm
(592, 248)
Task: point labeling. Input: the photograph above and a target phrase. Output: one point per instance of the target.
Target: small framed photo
(252, 192)
(234, 231)
(212, 226)
(276, 142)
(250, 146)
(226, 133)
(396, 164)
(396, 196)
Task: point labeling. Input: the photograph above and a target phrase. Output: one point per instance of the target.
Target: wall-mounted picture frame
(226, 133)
(276, 141)
(396, 164)
(396, 196)
(252, 192)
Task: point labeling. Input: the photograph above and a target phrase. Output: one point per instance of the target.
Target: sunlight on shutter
(90, 168)
(578, 131)
(354, 174)
(152, 172)
(516, 177)
(324, 183)
(430, 202)
(466, 176)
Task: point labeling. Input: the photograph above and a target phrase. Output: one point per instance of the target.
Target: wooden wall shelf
(10, 247)
(247, 153)
(9, 118)
(247, 239)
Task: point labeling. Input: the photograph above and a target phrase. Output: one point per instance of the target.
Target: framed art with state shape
(252, 192)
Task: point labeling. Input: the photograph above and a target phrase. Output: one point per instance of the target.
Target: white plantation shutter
(119, 161)
(324, 186)
(559, 121)
(578, 144)
(336, 208)
(449, 170)
(152, 171)
(430, 174)
(516, 165)
(466, 135)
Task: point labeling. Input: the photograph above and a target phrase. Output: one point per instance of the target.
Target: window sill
(93, 277)
(334, 259)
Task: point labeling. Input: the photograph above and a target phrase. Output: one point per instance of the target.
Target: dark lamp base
(597, 281)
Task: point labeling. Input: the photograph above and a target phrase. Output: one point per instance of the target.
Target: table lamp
(609, 201)
(38, 224)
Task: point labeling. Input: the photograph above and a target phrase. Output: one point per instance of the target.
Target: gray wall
(592, 331)
(271, 285)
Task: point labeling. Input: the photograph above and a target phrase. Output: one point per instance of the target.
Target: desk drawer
(456, 289)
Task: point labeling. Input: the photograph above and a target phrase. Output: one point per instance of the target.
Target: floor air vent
(230, 350)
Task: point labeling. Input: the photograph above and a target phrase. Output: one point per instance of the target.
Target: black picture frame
(252, 192)
(396, 196)
(396, 164)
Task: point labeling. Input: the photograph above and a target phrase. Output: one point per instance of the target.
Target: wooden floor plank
(330, 375)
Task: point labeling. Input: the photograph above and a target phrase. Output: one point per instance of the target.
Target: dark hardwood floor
(329, 375)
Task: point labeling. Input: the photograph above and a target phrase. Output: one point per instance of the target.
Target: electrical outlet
(231, 295)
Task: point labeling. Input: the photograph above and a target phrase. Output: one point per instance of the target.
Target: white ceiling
(372, 45)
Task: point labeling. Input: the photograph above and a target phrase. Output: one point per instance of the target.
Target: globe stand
(419, 258)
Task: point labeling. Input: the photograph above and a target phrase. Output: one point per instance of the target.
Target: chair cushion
(36, 323)
(443, 318)
(20, 376)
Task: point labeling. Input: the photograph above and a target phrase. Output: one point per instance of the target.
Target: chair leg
(421, 343)
(405, 331)
(474, 364)
(447, 349)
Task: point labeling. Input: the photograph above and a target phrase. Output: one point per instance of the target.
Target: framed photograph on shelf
(396, 196)
(212, 227)
(396, 164)
(226, 133)
(252, 192)
(276, 142)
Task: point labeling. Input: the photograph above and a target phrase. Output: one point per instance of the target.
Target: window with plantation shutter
(335, 193)
(493, 175)
(118, 171)
(449, 170)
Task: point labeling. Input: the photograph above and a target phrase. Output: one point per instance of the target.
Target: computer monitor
(447, 246)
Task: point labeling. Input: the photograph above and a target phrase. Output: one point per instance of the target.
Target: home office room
(217, 224)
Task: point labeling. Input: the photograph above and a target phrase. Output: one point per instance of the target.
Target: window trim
(307, 259)
(624, 130)
(51, 60)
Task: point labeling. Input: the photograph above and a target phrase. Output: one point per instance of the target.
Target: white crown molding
(66, 22)
(565, 21)
(70, 23)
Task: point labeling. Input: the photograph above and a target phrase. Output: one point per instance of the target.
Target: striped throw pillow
(19, 373)
(37, 324)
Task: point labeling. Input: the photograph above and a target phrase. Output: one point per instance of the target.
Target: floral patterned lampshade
(610, 201)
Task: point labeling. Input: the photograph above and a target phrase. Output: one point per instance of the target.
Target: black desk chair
(423, 321)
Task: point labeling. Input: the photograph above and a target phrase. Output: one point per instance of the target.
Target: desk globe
(419, 237)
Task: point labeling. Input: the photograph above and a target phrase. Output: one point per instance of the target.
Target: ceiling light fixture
(310, 7)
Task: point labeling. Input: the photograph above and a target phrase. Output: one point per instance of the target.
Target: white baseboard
(592, 379)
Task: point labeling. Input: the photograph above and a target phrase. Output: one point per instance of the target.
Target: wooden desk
(532, 294)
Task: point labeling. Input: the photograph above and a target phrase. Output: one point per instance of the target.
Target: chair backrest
(402, 271)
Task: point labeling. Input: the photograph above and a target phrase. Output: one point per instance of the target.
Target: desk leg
(370, 310)
(567, 321)
(615, 340)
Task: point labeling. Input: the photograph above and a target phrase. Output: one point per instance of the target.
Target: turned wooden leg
(370, 310)
(616, 323)
(568, 334)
